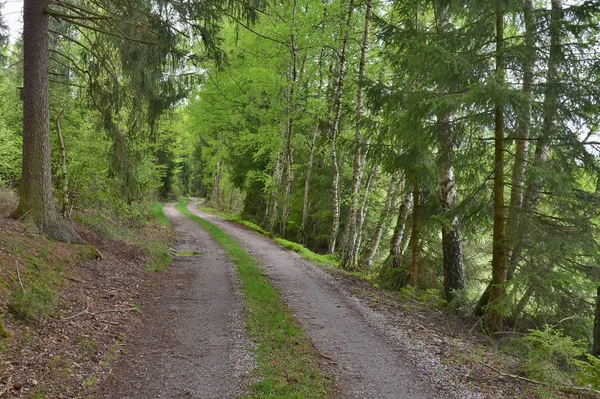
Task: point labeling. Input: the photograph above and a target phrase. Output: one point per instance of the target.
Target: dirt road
(192, 342)
(368, 357)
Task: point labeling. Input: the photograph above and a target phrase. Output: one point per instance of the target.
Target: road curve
(368, 359)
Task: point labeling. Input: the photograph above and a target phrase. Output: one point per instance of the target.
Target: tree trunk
(532, 195)
(216, 193)
(63, 164)
(364, 208)
(454, 270)
(349, 260)
(494, 316)
(273, 209)
(515, 210)
(289, 160)
(596, 344)
(36, 201)
(307, 178)
(398, 241)
(383, 222)
(414, 237)
(339, 96)
(453, 266)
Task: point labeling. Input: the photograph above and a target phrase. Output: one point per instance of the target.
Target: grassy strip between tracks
(287, 366)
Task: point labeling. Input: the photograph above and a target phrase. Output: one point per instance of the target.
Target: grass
(328, 260)
(159, 215)
(286, 359)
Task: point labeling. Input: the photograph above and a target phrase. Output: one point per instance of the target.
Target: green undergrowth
(149, 229)
(32, 272)
(328, 260)
(286, 359)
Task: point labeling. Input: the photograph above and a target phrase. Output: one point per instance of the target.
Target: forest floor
(122, 332)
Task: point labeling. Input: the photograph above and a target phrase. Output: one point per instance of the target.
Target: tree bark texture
(398, 241)
(596, 343)
(349, 257)
(453, 265)
(339, 95)
(370, 184)
(289, 130)
(414, 237)
(515, 210)
(36, 201)
(63, 164)
(499, 251)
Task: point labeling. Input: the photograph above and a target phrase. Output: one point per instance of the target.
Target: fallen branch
(19, 276)
(72, 279)
(536, 382)
(87, 307)
(100, 312)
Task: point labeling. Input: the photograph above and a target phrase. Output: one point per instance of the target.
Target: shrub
(33, 303)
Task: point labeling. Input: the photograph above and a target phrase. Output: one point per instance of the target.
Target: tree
(499, 251)
(36, 201)
(350, 252)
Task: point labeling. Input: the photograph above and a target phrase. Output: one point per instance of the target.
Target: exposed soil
(66, 354)
(191, 343)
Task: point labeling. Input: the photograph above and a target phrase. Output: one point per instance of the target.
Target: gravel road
(368, 357)
(192, 343)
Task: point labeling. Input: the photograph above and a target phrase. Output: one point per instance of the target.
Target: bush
(552, 356)
(33, 303)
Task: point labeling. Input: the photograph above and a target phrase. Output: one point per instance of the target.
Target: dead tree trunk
(36, 201)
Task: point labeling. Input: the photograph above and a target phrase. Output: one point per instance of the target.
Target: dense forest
(445, 145)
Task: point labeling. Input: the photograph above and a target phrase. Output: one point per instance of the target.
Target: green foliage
(330, 260)
(589, 372)
(159, 214)
(552, 356)
(32, 303)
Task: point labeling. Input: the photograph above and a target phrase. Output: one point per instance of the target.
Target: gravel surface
(367, 356)
(192, 343)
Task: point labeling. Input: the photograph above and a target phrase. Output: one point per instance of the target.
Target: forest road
(369, 359)
(192, 343)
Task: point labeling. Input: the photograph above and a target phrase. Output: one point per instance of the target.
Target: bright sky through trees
(13, 15)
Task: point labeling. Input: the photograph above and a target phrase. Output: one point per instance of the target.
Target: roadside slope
(192, 342)
(367, 357)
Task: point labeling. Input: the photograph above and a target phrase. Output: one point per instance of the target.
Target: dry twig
(19, 276)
